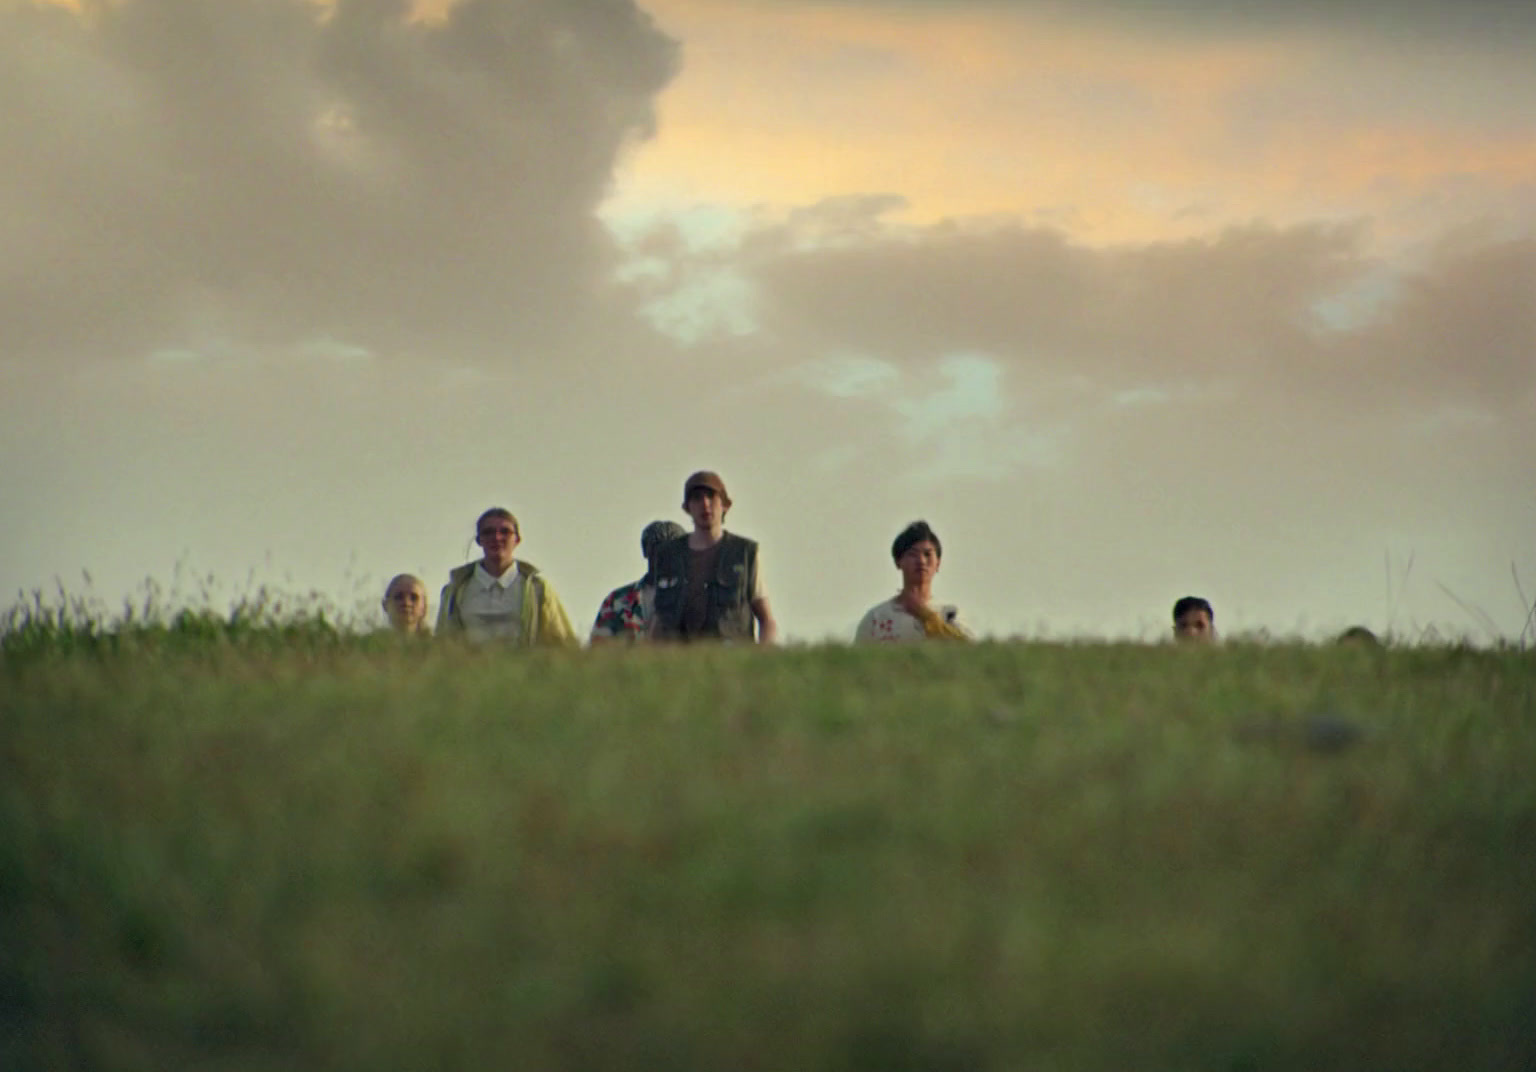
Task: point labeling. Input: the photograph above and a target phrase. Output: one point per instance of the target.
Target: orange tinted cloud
(990, 110)
(1107, 129)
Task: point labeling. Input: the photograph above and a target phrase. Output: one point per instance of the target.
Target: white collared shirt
(492, 607)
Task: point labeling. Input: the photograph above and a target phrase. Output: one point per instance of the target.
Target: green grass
(265, 851)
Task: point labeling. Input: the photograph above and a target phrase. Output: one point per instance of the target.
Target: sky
(1128, 301)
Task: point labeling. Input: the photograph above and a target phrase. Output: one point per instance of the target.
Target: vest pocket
(726, 594)
(669, 598)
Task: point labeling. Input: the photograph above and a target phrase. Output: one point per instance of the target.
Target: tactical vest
(729, 612)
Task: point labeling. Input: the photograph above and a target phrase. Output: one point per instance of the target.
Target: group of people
(701, 585)
(706, 584)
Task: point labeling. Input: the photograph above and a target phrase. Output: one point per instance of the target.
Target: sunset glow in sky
(1232, 299)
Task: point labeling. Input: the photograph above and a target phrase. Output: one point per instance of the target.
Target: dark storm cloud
(176, 171)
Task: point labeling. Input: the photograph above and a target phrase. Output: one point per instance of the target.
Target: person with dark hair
(625, 614)
(405, 604)
(1359, 636)
(910, 614)
(709, 584)
(1194, 620)
(500, 597)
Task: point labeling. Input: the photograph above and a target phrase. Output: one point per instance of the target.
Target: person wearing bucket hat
(625, 613)
(709, 584)
(501, 597)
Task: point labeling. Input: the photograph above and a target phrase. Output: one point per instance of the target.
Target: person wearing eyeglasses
(501, 597)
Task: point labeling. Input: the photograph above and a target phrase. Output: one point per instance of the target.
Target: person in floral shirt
(625, 613)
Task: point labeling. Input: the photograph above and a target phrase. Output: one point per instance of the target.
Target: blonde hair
(405, 578)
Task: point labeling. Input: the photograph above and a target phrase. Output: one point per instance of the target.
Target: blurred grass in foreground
(279, 846)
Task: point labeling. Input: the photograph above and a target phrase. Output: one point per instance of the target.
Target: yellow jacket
(544, 620)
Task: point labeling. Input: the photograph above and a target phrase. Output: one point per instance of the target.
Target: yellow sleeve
(445, 624)
(554, 624)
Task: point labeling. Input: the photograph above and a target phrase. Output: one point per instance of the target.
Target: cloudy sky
(1127, 300)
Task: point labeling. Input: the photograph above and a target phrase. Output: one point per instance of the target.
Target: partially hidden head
(1194, 620)
(917, 553)
(405, 603)
(1359, 636)
(657, 533)
(498, 534)
(706, 500)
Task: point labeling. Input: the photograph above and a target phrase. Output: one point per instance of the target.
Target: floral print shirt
(625, 613)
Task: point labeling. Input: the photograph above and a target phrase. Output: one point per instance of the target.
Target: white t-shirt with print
(888, 623)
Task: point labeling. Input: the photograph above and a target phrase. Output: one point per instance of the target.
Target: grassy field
(298, 850)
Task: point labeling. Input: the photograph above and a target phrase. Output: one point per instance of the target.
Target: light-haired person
(625, 614)
(1194, 622)
(911, 614)
(709, 584)
(501, 597)
(405, 603)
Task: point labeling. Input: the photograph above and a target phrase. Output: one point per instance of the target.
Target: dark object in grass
(1326, 733)
(1330, 733)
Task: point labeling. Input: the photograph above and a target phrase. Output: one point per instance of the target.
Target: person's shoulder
(611, 613)
(882, 613)
(622, 593)
(739, 540)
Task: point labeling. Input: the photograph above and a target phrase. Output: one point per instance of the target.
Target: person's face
(705, 507)
(405, 604)
(498, 538)
(1194, 625)
(918, 564)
